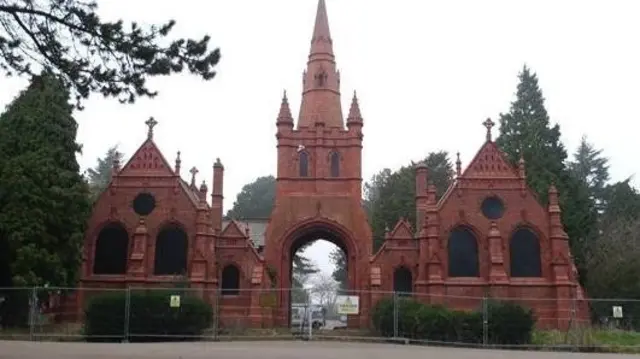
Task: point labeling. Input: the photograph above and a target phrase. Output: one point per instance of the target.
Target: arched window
(111, 250)
(524, 250)
(230, 283)
(304, 164)
(463, 254)
(171, 251)
(402, 281)
(335, 164)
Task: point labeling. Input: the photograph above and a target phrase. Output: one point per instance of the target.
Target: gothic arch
(230, 280)
(402, 281)
(111, 249)
(172, 247)
(525, 253)
(463, 252)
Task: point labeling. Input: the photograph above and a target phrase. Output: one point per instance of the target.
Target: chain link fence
(166, 314)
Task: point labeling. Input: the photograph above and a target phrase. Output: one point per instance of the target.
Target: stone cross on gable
(489, 125)
(193, 172)
(151, 123)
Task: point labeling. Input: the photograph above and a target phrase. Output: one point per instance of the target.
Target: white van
(300, 315)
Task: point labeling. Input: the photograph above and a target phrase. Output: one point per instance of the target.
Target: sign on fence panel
(348, 304)
(175, 301)
(617, 312)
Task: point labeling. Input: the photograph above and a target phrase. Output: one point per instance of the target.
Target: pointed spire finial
(193, 172)
(354, 111)
(458, 165)
(115, 164)
(321, 40)
(151, 123)
(489, 125)
(178, 163)
(284, 116)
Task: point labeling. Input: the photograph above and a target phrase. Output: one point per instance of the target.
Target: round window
(492, 208)
(144, 203)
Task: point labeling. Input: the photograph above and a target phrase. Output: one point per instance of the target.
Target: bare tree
(324, 291)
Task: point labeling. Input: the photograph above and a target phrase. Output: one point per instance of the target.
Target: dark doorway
(463, 253)
(111, 250)
(171, 251)
(230, 283)
(524, 253)
(402, 282)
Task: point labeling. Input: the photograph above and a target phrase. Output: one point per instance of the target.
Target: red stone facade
(152, 228)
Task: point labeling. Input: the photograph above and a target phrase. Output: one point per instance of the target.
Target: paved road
(265, 350)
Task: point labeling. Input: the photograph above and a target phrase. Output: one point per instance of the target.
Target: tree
(256, 200)
(88, 54)
(592, 169)
(391, 195)
(339, 274)
(44, 206)
(100, 175)
(325, 290)
(621, 202)
(526, 131)
(614, 269)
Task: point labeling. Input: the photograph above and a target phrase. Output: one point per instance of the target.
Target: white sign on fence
(348, 304)
(617, 312)
(175, 301)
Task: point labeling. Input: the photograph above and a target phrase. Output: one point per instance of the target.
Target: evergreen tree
(44, 205)
(592, 169)
(339, 274)
(90, 54)
(621, 202)
(256, 200)
(100, 175)
(392, 195)
(526, 130)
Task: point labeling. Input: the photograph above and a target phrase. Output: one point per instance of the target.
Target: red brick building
(488, 235)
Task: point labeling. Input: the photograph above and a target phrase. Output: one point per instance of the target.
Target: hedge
(508, 323)
(151, 318)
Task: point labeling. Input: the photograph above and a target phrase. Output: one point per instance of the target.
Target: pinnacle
(285, 111)
(354, 111)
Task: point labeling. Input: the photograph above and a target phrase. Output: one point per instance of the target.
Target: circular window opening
(144, 203)
(492, 208)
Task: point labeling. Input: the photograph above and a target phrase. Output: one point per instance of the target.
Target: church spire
(321, 43)
(321, 80)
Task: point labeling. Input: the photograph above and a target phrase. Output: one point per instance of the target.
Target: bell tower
(319, 175)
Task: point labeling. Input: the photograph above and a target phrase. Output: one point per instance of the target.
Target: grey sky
(427, 74)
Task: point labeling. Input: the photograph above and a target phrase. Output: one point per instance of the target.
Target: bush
(509, 323)
(150, 317)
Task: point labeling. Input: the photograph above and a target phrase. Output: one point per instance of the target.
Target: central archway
(309, 232)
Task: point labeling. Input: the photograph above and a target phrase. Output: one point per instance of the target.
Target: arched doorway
(319, 289)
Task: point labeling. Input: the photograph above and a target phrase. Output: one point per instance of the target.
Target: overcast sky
(427, 74)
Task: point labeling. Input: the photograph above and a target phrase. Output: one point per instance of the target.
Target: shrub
(150, 317)
(509, 323)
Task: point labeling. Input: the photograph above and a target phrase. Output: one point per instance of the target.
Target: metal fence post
(33, 304)
(395, 315)
(485, 322)
(127, 314)
(216, 312)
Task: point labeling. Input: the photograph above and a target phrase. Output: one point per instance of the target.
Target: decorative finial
(489, 125)
(203, 187)
(284, 95)
(178, 163)
(115, 164)
(193, 172)
(458, 165)
(218, 163)
(151, 123)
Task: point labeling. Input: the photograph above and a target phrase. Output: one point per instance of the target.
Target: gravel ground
(264, 350)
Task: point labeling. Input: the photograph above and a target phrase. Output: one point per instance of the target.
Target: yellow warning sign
(175, 301)
(348, 304)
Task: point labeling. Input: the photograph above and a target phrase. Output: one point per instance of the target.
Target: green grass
(611, 340)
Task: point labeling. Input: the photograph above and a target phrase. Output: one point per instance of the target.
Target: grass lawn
(613, 340)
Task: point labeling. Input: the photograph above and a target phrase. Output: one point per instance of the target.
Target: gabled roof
(490, 162)
(147, 161)
(402, 230)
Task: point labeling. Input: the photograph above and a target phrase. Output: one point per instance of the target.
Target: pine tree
(45, 204)
(100, 175)
(592, 169)
(526, 131)
(92, 55)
